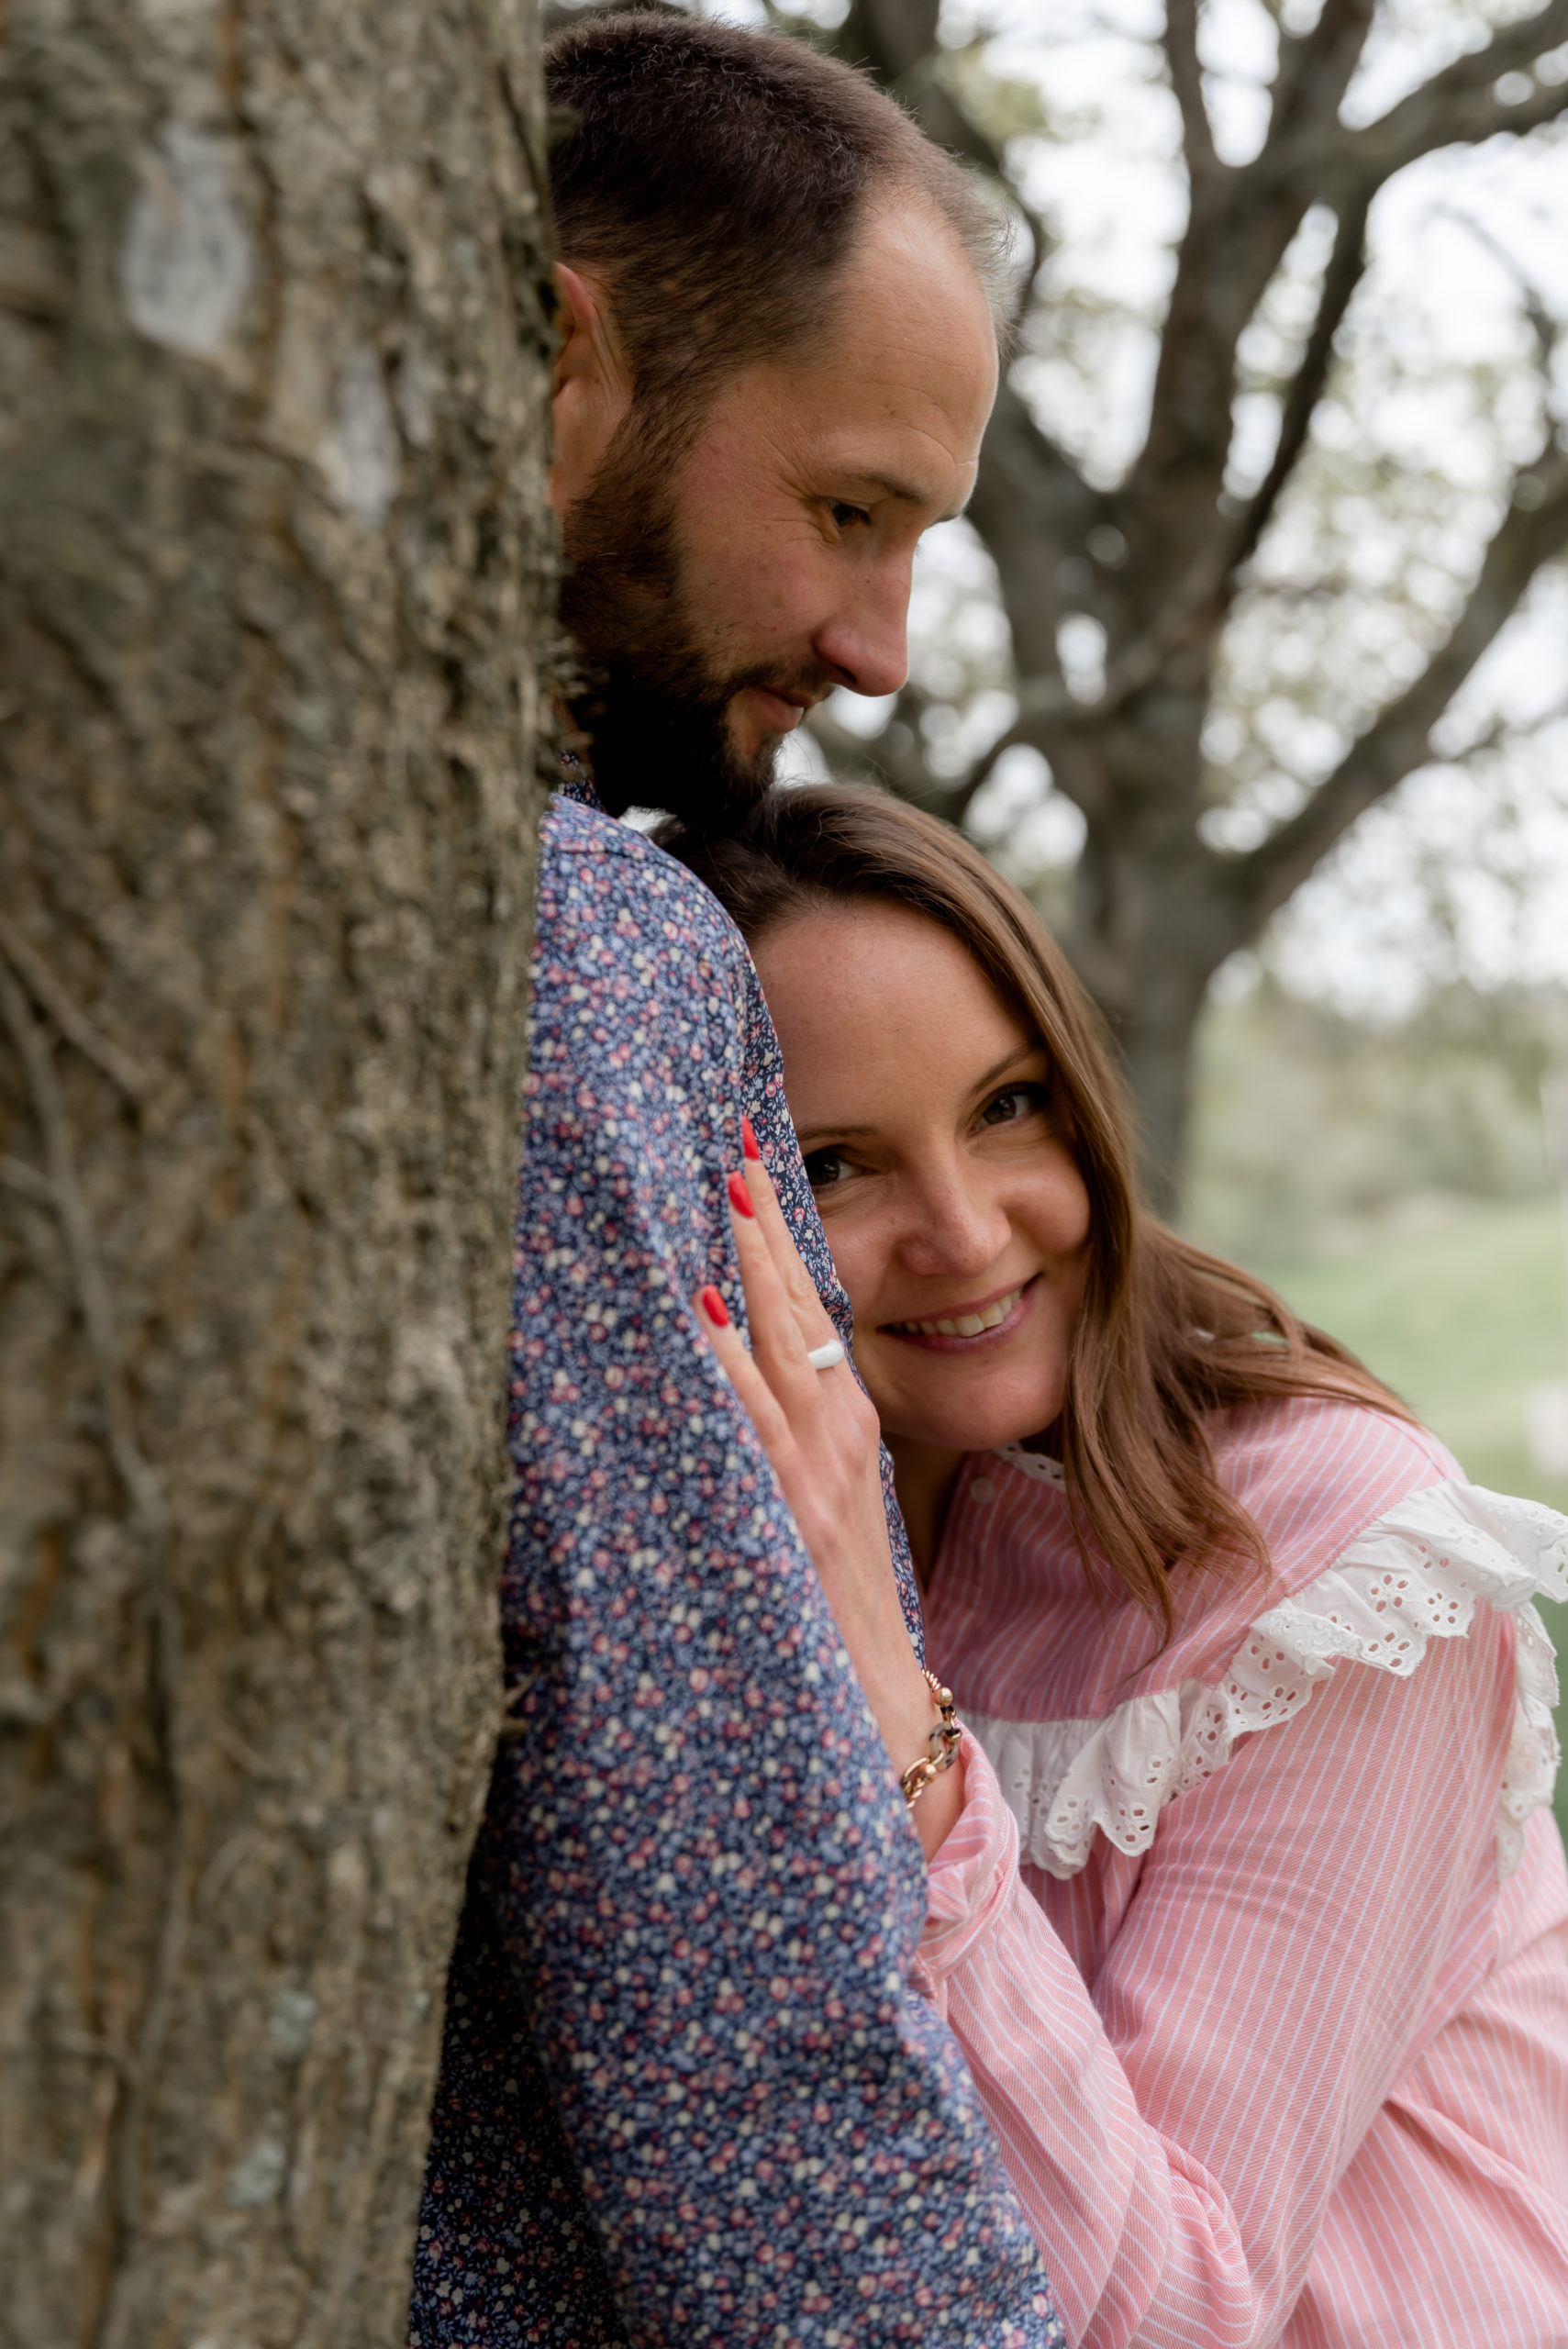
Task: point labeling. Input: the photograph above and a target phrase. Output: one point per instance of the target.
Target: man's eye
(1017, 1101)
(824, 1168)
(847, 517)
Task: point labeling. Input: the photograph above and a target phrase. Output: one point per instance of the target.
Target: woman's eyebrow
(1004, 1067)
(829, 1133)
(806, 1135)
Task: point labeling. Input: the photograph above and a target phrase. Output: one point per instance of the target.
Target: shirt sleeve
(696, 1856)
(1175, 2130)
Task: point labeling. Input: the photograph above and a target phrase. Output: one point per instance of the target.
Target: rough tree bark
(1160, 560)
(273, 584)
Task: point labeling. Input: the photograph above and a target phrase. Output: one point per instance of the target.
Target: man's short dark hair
(717, 178)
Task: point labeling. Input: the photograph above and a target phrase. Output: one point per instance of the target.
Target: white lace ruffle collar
(1413, 1576)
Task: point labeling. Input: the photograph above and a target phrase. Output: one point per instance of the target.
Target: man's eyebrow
(905, 493)
(892, 487)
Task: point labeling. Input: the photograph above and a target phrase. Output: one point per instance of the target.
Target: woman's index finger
(810, 1311)
(782, 1332)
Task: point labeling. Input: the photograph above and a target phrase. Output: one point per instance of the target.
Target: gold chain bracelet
(941, 1745)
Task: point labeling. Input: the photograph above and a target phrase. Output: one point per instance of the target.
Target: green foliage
(1392, 1185)
(1315, 1134)
(1461, 1319)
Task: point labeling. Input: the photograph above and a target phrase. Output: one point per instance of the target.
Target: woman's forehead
(875, 995)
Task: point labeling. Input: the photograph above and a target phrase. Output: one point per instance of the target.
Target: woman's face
(953, 1207)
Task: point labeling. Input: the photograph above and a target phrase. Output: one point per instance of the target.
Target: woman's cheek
(1063, 1213)
(857, 1267)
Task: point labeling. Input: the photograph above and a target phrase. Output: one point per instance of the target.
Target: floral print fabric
(688, 2092)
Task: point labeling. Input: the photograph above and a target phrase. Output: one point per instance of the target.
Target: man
(687, 2093)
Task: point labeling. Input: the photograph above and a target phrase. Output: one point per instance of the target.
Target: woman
(1244, 1900)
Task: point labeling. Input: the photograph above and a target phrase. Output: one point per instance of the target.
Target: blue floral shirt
(687, 2095)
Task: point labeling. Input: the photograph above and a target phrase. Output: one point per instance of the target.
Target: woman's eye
(1017, 1101)
(824, 1168)
(847, 517)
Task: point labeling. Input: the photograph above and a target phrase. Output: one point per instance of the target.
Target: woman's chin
(970, 1424)
(972, 1392)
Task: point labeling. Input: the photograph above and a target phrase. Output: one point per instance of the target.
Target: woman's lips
(975, 1325)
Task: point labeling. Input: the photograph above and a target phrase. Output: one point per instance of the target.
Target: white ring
(826, 1357)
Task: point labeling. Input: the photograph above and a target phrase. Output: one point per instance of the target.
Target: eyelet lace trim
(1413, 1576)
(1037, 1465)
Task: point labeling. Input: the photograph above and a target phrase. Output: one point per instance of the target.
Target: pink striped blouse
(1257, 1945)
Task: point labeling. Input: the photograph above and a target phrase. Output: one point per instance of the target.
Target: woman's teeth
(966, 1325)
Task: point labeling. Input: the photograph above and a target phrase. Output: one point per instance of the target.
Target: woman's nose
(956, 1229)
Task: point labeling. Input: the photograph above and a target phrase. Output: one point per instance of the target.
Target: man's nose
(866, 642)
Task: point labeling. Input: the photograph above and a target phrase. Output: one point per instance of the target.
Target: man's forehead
(900, 393)
(903, 429)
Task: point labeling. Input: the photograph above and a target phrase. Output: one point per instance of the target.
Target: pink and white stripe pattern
(1271, 2021)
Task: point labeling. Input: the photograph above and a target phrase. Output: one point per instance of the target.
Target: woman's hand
(820, 1429)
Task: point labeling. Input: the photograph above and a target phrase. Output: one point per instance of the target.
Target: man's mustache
(613, 674)
(810, 685)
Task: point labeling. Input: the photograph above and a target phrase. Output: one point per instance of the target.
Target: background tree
(273, 566)
(1135, 604)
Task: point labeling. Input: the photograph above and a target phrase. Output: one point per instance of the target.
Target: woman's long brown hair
(1167, 1334)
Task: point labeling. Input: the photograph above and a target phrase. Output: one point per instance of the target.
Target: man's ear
(593, 383)
(588, 340)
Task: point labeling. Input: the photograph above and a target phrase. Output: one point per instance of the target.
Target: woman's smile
(965, 1329)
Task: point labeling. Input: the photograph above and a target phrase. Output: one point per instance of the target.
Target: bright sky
(1466, 868)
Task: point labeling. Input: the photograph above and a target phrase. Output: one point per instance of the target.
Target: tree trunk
(1151, 919)
(274, 569)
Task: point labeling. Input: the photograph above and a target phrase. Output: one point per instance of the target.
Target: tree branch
(1227, 256)
(1180, 40)
(1459, 106)
(1240, 225)
(1503, 735)
(943, 119)
(1315, 71)
(897, 38)
(903, 772)
(1347, 266)
(1543, 325)
(1531, 533)
(1048, 711)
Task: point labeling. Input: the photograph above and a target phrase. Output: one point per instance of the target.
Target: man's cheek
(758, 590)
(738, 638)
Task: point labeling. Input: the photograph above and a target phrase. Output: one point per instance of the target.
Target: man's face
(718, 596)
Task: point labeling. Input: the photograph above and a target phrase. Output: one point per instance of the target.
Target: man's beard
(656, 717)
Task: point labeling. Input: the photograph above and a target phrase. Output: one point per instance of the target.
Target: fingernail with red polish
(749, 1138)
(713, 1304)
(739, 1197)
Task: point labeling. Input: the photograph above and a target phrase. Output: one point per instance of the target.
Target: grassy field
(1461, 1319)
